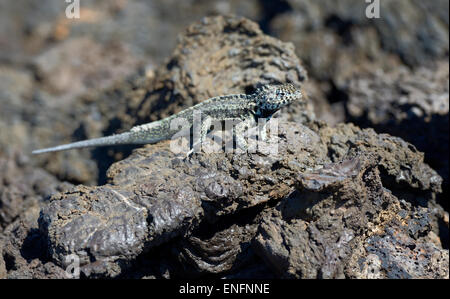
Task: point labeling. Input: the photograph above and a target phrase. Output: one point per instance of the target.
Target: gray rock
(342, 223)
(22, 186)
(94, 229)
(23, 250)
(173, 195)
(410, 104)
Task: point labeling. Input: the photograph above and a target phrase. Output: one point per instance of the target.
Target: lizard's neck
(267, 114)
(254, 105)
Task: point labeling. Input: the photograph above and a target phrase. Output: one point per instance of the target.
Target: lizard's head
(270, 98)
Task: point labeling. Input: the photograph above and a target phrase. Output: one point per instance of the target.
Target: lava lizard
(246, 109)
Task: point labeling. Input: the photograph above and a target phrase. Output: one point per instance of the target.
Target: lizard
(245, 108)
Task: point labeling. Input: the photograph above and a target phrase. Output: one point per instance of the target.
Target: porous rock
(23, 249)
(23, 186)
(24, 190)
(413, 105)
(172, 195)
(342, 223)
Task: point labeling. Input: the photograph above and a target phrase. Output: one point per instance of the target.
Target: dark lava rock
(163, 195)
(61, 73)
(22, 186)
(342, 223)
(155, 198)
(225, 251)
(110, 228)
(23, 250)
(409, 104)
(24, 190)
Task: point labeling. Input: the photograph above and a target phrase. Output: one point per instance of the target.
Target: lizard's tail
(124, 138)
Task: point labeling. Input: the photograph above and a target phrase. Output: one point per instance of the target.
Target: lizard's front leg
(262, 129)
(197, 145)
(241, 130)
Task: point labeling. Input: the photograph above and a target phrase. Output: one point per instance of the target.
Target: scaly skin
(246, 109)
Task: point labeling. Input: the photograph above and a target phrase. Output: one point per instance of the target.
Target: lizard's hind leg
(198, 142)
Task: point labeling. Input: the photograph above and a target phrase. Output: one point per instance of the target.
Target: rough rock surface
(412, 105)
(168, 196)
(23, 191)
(22, 186)
(23, 250)
(342, 223)
(225, 251)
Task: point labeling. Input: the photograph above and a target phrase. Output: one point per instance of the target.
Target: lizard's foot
(263, 134)
(191, 151)
(241, 147)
